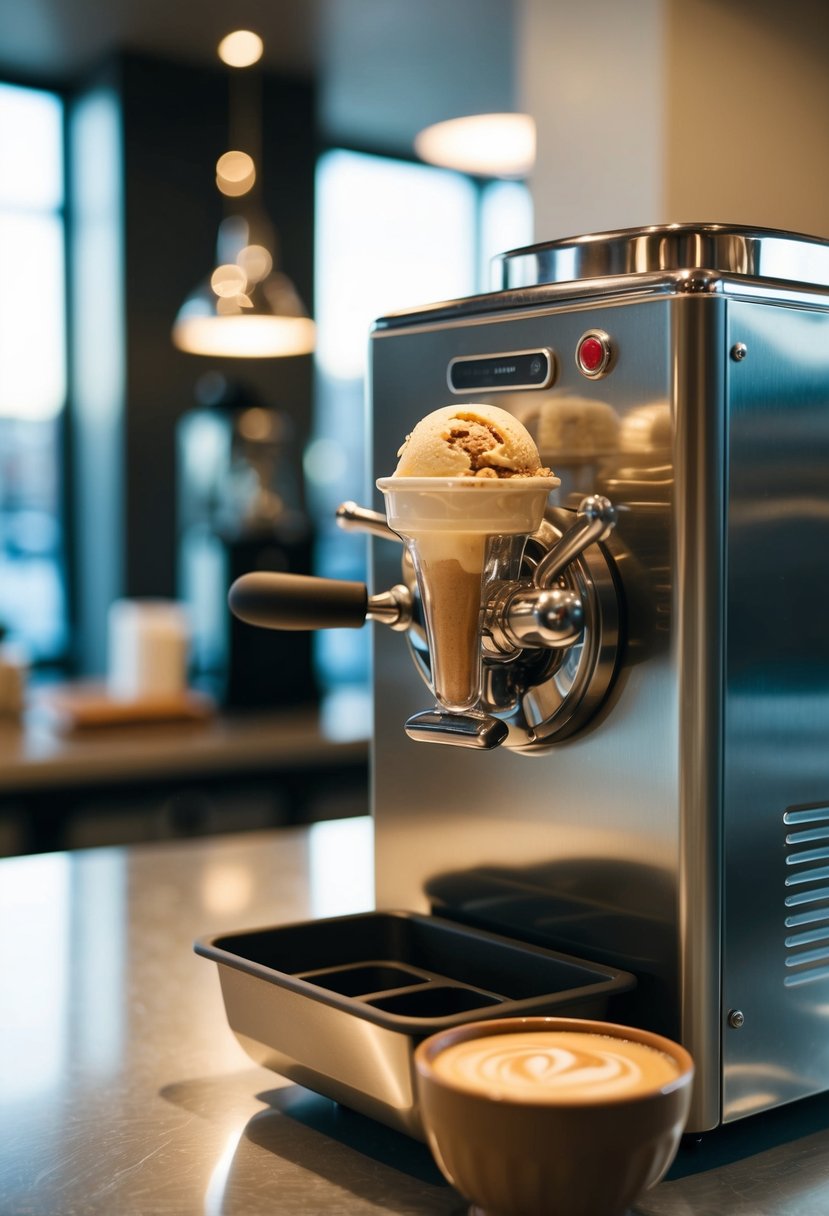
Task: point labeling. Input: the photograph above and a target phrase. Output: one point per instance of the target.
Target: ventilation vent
(807, 895)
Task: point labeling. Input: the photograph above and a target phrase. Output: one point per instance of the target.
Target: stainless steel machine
(645, 783)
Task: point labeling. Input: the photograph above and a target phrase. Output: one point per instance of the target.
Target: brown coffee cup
(574, 1118)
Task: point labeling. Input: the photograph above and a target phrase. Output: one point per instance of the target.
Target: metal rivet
(736, 1018)
(739, 351)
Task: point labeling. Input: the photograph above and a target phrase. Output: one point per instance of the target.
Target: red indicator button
(593, 354)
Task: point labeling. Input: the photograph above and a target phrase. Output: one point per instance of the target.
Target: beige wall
(651, 111)
(591, 72)
(748, 113)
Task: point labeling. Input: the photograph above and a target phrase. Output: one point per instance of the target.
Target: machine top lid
(731, 249)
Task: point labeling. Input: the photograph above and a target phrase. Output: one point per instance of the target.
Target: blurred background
(138, 461)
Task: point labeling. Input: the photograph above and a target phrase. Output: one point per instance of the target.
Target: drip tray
(339, 1005)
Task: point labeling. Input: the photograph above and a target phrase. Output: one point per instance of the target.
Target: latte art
(555, 1065)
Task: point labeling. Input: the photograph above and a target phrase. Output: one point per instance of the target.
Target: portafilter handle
(303, 601)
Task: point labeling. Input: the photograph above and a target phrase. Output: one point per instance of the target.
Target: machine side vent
(807, 895)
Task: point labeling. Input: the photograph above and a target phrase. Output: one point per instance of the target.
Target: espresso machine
(644, 782)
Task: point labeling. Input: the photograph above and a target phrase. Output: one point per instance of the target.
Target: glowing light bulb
(228, 281)
(241, 49)
(235, 173)
(256, 262)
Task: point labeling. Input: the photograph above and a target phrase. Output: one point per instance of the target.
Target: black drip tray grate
(437, 1001)
(402, 990)
(363, 980)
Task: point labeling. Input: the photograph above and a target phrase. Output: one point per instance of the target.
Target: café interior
(167, 771)
(118, 480)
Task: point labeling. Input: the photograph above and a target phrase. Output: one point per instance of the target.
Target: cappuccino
(552, 1066)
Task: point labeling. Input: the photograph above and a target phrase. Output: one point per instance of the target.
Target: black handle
(298, 601)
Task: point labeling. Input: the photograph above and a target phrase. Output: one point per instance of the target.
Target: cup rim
(486, 484)
(428, 1048)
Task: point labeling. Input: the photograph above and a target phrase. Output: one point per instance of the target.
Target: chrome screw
(739, 351)
(736, 1018)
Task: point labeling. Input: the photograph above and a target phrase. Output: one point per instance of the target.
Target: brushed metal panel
(776, 780)
(581, 845)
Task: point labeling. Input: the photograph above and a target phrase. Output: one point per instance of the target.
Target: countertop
(50, 776)
(123, 1092)
(35, 755)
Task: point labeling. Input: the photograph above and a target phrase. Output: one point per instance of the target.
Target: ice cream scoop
(469, 441)
(466, 476)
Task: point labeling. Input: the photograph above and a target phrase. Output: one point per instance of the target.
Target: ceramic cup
(552, 1116)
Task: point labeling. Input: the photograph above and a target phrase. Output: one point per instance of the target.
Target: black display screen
(521, 369)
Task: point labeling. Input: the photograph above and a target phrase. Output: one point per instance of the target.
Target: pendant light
(245, 307)
(487, 145)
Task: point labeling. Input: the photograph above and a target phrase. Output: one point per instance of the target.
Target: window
(390, 235)
(32, 370)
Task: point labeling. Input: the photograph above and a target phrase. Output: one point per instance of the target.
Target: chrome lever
(353, 518)
(595, 520)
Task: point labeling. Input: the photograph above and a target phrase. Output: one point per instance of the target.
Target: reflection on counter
(72, 949)
(614, 911)
(301, 1131)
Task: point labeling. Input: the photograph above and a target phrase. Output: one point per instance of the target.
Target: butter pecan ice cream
(469, 441)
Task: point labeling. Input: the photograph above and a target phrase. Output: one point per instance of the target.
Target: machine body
(677, 824)
(641, 779)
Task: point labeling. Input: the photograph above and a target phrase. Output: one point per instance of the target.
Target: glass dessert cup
(462, 534)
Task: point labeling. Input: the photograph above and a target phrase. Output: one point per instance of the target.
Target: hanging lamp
(246, 307)
(487, 145)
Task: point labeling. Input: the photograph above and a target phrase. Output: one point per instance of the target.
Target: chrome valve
(543, 615)
(528, 617)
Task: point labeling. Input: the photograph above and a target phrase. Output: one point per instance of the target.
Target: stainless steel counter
(122, 1091)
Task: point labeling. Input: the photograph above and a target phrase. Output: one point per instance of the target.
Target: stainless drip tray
(339, 1005)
